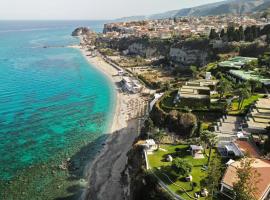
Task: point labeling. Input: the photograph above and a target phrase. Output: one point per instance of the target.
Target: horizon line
(57, 19)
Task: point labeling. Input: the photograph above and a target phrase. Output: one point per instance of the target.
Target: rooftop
(196, 147)
(247, 148)
(261, 166)
(194, 91)
(195, 87)
(236, 62)
(250, 75)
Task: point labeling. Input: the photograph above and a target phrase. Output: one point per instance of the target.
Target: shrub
(181, 167)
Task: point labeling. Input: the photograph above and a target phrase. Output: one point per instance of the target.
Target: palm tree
(242, 93)
(204, 139)
(210, 140)
(254, 85)
(223, 87)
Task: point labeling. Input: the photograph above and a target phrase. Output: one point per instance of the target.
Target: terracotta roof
(261, 166)
(247, 148)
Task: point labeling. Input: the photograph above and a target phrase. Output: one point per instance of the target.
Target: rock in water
(81, 31)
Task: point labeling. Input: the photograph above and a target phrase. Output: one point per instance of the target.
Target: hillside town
(184, 27)
(206, 132)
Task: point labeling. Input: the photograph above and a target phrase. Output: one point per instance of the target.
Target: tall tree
(248, 177)
(222, 33)
(255, 31)
(213, 177)
(265, 30)
(255, 84)
(223, 87)
(236, 36)
(213, 34)
(241, 33)
(231, 33)
(248, 34)
(210, 140)
(242, 93)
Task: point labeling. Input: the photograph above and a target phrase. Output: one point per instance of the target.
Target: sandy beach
(104, 173)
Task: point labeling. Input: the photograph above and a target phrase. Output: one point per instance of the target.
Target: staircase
(227, 128)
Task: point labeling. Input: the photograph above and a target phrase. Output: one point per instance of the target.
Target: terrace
(249, 75)
(198, 90)
(259, 117)
(237, 62)
(204, 83)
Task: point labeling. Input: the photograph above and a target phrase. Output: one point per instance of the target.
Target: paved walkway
(229, 127)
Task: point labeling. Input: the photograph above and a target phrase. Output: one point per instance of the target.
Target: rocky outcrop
(184, 56)
(81, 31)
(192, 51)
(140, 49)
(175, 51)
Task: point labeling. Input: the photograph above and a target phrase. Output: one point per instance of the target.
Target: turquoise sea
(53, 106)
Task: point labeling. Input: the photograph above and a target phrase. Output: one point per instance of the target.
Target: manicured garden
(164, 171)
(234, 109)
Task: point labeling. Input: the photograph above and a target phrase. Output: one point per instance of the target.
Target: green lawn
(160, 167)
(247, 102)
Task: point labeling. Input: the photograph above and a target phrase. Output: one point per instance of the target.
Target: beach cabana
(196, 151)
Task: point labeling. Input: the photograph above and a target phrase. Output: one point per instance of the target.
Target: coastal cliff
(178, 52)
(140, 49)
(192, 51)
(142, 185)
(188, 56)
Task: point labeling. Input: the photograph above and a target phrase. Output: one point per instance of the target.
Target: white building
(149, 145)
(131, 85)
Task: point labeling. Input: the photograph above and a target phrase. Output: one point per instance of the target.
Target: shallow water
(53, 104)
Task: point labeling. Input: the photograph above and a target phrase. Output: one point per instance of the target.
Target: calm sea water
(52, 102)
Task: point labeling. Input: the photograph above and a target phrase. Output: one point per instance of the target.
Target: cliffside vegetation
(143, 184)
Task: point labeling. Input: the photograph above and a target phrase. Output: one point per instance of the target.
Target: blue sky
(89, 9)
